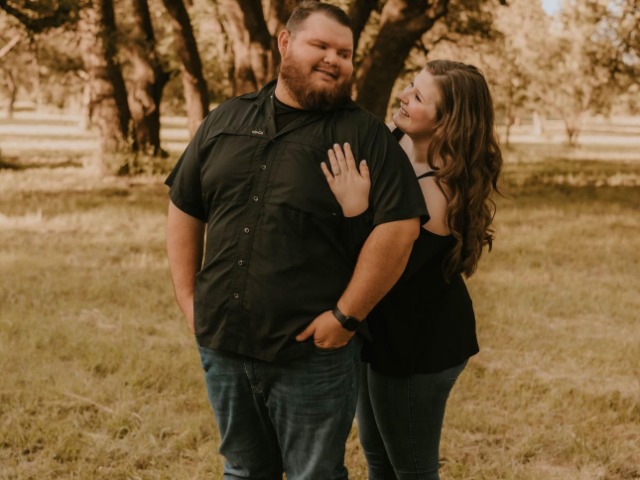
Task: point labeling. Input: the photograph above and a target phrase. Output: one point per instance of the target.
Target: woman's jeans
(276, 418)
(400, 420)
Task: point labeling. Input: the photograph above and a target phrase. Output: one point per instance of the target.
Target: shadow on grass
(57, 121)
(563, 182)
(16, 164)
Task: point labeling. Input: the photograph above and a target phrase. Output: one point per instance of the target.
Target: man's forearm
(185, 238)
(381, 262)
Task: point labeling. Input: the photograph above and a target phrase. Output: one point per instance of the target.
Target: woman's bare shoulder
(437, 204)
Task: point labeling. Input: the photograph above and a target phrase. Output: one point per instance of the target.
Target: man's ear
(284, 38)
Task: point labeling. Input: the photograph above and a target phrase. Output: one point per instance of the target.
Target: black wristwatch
(348, 323)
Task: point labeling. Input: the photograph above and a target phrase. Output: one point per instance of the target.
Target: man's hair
(308, 7)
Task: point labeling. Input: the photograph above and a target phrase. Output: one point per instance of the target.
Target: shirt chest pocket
(229, 165)
(297, 180)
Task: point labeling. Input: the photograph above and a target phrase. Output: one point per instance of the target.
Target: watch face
(350, 324)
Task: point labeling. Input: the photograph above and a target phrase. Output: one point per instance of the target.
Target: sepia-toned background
(100, 378)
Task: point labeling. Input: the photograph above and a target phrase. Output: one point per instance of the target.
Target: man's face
(317, 63)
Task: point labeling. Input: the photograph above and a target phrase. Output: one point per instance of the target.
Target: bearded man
(276, 300)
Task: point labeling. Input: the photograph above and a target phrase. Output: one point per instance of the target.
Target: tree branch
(10, 44)
(37, 18)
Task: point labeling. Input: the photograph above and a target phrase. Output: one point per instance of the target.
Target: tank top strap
(430, 173)
(397, 133)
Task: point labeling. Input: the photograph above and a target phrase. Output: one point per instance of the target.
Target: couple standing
(280, 246)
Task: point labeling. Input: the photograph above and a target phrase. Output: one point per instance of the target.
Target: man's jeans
(400, 420)
(292, 417)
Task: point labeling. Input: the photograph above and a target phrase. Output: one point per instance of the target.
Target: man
(276, 263)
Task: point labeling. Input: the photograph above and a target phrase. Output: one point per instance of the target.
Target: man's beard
(309, 96)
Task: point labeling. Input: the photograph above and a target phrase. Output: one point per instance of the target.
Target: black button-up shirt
(276, 252)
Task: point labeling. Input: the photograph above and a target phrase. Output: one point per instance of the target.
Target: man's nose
(330, 56)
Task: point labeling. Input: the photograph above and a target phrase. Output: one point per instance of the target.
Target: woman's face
(417, 114)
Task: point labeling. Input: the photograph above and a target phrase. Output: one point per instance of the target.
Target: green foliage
(617, 38)
(557, 66)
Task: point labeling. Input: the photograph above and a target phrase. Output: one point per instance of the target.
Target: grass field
(100, 379)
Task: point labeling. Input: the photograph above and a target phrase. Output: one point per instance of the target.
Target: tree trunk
(251, 42)
(510, 120)
(148, 82)
(12, 88)
(403, 23)
(538, 124)
(37, 81)
(9, 72)
(108, 93)
(359, 14)
(86, 110)
(6, 48)
(38, 16)
(195, 87)
(277, 16)
(572, 135)
(572, 126)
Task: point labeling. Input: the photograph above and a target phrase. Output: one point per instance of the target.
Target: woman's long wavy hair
(466, 143)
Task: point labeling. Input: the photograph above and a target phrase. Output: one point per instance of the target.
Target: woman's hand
(350, 186)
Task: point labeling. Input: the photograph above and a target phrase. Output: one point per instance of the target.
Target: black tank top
(426, 323)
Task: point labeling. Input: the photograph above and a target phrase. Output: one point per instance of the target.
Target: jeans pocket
(326, 351)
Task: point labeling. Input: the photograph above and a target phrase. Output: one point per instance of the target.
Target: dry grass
(101, 380)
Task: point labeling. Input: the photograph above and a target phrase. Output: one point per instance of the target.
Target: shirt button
(236, 296)
(246, 230)
(240, 262)
(255, 198)
(263, 167)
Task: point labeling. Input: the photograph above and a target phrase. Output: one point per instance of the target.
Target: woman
(423, 332)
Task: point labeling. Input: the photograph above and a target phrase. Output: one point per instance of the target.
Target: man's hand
(326, 332)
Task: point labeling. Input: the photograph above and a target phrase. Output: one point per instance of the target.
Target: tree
(616, 40)
(97, 33)
(12, 55)
(254, 52)
(568, 78)
(511, 61)
(110, 110)
(147, 82)
(386, 33)
(402, 23)
(43, 14)
(195, 86)
(36, 18)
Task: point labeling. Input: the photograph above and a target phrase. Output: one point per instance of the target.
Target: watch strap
(348, 323)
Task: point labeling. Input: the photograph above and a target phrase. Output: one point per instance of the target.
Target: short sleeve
(185, 179)
(395, 192)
